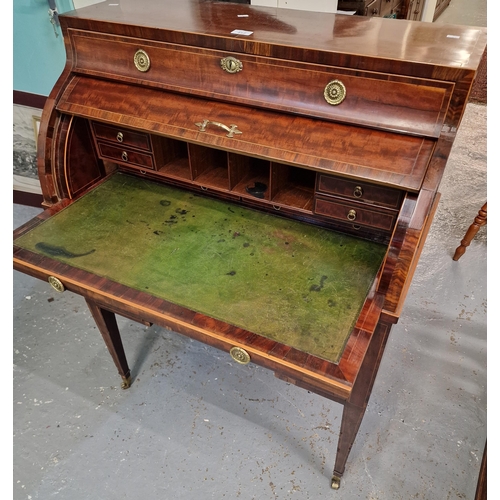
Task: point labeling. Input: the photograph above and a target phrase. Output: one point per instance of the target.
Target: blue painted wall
(38, 55)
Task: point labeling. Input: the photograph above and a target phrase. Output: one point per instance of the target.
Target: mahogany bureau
(260, 180)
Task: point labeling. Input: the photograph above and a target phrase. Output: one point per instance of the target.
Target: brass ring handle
(358, 192)
(232, 129)
(231, 64)
(119, 137)
(124, 156)
(351, 215)
(334, 92)
(240, 355)
(142, 61)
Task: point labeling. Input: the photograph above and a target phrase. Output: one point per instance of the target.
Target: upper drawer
(378, 100)
(354, 153)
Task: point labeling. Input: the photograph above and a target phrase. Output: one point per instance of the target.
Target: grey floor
(194, 425)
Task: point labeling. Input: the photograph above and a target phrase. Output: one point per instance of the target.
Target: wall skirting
(28, 199)
(28, 99)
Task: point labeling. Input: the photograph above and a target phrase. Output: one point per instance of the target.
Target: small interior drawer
(120, 135)
(355, 213)
(125, 156)
(360, 191)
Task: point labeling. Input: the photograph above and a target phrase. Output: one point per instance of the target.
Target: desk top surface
(247, 26)
(295, 283)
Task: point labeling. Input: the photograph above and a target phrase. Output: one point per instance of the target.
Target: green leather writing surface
(289, 281)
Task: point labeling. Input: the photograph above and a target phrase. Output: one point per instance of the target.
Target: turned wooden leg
(479, 221)
(355, 407)
(106, 322)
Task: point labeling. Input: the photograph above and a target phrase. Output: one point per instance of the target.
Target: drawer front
(379, 100)
(123, 136)
(125, 156)
(355, 214)
(361, 191)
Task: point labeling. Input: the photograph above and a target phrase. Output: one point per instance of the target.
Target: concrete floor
(194, 425)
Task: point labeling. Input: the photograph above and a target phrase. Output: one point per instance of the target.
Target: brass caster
(335, 482)
(127, 381)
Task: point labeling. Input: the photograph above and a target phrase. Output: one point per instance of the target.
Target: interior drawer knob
(351, 215)
(335, 92)
(240, 355)
(141, 61)
(231, 64)
(358, 192)
(124, 156)
(119, 137)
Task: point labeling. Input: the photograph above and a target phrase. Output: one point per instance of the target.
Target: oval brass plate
(141, 61)
(231, 64)
(240, 355)
(56, 284)
(335, 92)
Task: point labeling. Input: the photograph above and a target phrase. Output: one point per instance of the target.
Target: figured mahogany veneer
(144, 93)
(393, 103)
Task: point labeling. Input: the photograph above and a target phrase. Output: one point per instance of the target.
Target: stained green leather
(289, 281)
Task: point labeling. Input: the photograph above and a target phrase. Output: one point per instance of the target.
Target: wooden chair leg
(106, 322)
(479, 221)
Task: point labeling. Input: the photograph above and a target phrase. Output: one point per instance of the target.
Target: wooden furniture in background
(479, 221)
(339, 123)
(372, 8)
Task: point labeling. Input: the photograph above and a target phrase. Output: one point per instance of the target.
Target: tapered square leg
(106, 322)
(355, 407)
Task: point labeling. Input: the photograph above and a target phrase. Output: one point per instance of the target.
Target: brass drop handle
(358, 192)
(124, 156)
(231, 64)
(351, 215)
(232, 129)
(119, 137)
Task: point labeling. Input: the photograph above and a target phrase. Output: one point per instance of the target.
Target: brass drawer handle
(124, 156)
(358, 192)
(56, 284)
(335, 92)
(351, 215)
(232, 129)
(119, 137)
(231, 64)
(141, 61)
(240, 355)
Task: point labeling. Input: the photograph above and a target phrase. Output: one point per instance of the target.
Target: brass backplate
(231, 64)
(141, 61)
(56, 284)
(335, 92)
(240, 355)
